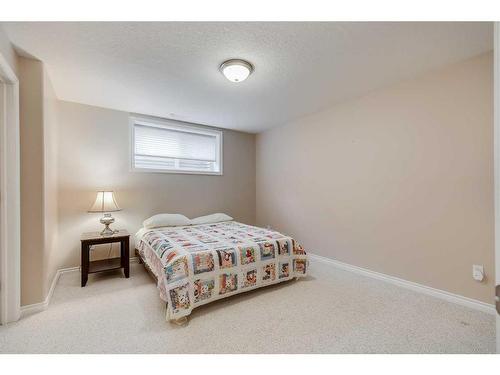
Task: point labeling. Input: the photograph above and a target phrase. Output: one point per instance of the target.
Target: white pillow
(214, 218)
(166, 220)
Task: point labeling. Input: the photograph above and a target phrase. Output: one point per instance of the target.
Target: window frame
(175, 125)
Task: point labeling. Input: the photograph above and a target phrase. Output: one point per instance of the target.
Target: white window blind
(171, 147)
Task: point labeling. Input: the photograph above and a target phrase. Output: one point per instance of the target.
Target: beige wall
(94, 154)
(399, 181)
(32, 179)
(38, 138)
(7, 51)
(50, 204)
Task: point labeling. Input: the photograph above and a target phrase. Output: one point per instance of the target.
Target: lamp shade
(105, 202)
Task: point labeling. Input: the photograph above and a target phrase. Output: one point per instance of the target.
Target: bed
(198, 264)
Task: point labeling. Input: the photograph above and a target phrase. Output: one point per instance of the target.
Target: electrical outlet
(478, 272)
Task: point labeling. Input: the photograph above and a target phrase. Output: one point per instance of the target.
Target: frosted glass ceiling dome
(236, 70)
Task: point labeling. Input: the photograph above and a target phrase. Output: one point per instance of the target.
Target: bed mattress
(198, 264)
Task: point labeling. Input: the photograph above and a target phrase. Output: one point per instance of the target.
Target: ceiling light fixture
(236, 70)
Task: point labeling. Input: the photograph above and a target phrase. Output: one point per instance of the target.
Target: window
(168, 146)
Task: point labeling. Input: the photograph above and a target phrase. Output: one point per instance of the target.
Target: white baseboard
(447, 296)
(41, 306)
(37, 307)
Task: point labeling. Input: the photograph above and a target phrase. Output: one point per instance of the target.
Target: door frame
(10, 204)
(496, 142)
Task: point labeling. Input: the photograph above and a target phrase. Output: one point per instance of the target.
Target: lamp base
(107, 219)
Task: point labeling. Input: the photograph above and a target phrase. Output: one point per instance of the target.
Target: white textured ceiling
(169, 69)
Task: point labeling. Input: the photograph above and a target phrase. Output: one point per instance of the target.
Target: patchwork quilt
(199, 264)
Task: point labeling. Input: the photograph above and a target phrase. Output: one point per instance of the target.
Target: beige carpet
(332, 311)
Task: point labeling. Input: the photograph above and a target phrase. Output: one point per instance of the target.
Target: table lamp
(105, 202)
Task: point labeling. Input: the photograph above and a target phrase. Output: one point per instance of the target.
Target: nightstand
(95, 238)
